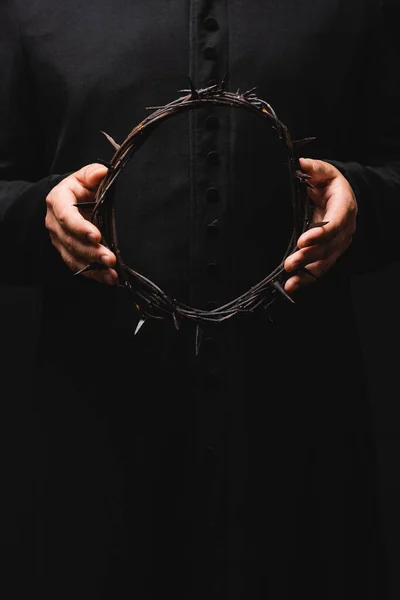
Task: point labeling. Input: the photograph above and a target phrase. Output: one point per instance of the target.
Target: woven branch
(150, 299)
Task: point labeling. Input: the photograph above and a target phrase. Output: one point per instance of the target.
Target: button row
(211, 24)
(212, 194)
(213, 158)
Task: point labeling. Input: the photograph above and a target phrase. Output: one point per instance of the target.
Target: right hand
(76, 238)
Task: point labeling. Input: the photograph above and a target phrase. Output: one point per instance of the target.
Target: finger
(90, 176)
(308, 254)
(84, 249)
(60, 205)
(77, 187)
(76, 264)
(305, 276)
(318, 233)
(327, 252)
(320, 172)
(297, 281)
(311, 272)
(107, 276)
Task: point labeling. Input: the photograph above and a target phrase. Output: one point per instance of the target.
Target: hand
(76, 238)
(320, 247)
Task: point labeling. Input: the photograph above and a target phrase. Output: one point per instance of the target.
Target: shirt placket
(210, 240)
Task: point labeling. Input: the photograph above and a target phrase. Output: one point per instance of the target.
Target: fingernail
(92, 237)
(105, 259)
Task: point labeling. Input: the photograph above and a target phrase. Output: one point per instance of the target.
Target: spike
(223, 83)
(105, 163)
(84, 204)
(318, 224)
(177, 322)
(303, 142)
(305, 270)
(111, 140)
(249, 92)
(280, 289)
(301, 175)
(194, 92)
(139, 325)
(91, 267)
(199, 337)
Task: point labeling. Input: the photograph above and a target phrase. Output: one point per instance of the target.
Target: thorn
(105, 163)
(177, 322)
(199, 337)
(139, 325)
(222, 85)
(249, 92)
(111, 140)
(305, 270)
(194, 92)
(303, 142)
(280, 289)
(318, 224)
(84, 204)
(91, 267)
(301, 175)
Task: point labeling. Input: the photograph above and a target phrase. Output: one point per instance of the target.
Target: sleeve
(376, 179)
(26, 249)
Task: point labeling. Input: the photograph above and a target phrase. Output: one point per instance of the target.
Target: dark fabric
(247, 471)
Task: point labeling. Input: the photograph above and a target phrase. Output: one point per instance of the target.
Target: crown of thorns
(150, 299)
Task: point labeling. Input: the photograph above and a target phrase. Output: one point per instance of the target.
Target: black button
(212, 122)
(212, 231)
(212, 269)
(212, 195)
(211, 24)
(213, 158)
(210, 53)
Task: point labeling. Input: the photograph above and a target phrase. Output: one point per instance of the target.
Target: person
(244, 468)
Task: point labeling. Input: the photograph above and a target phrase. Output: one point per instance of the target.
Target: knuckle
(61, 216)
(48, 221)
(50, 199)
(69, 243)
(54, 239)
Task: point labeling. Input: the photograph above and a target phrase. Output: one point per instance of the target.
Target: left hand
(320, 247)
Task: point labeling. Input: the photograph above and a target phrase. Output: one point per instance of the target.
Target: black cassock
(247, 471)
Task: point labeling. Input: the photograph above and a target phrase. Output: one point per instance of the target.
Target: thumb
(320, 172)
(90, 176)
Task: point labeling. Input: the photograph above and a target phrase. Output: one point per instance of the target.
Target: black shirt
(245, 471)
